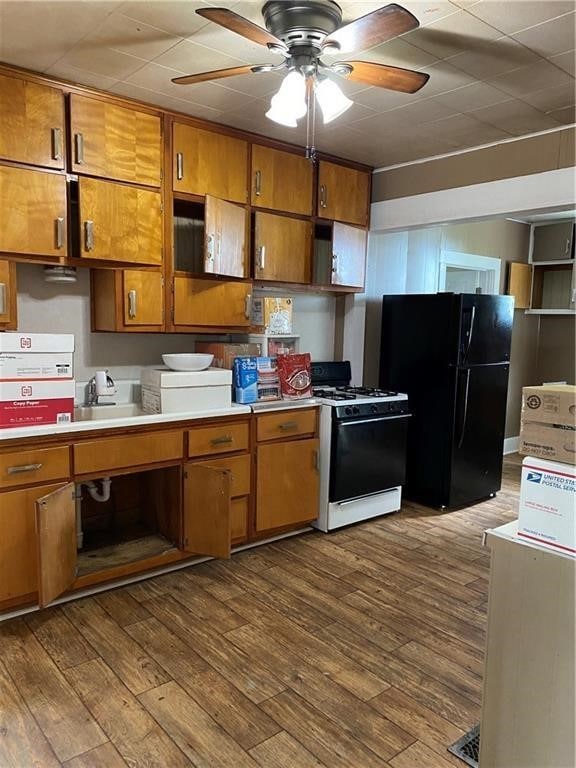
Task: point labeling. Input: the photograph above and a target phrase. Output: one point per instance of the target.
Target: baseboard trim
(511, 445)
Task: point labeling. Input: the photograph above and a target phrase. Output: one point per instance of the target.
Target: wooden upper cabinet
(348, 255)
(31, 123)
(127, 300)
(211, 304)
(281, 180)
(343, 193)
(33, 205)
(8, 296)
(119, 223)
(207, 163)
(225, 228)
(282, 248)
(115, 142)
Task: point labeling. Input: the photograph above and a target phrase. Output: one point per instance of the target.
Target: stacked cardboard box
(36, 379)
(225, 352)
(548, 422)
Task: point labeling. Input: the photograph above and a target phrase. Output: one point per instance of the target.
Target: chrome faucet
(99, 386)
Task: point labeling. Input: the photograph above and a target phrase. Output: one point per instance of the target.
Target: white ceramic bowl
(188, 362)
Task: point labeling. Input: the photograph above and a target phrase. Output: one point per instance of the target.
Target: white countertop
(284, 405)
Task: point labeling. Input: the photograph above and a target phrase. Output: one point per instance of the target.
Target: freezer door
(485, 329)
(480, 415)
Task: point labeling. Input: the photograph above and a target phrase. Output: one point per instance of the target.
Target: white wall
(49, 307)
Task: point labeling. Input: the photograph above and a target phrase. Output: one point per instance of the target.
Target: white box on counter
(25, 403)
(547, 512)
(41, 365)
(166, 391)
(36, 342)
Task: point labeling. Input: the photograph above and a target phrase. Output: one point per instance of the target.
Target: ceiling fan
(302, 32)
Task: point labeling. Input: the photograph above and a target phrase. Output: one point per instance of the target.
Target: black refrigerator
(450, 353)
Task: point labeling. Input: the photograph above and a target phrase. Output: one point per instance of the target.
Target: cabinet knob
(262, 257)
(179, 166)
(258, 183)
(132, 304)
(248, 306)
(56, 143)
(89, 235)
(287, 426)
(79, 148)
(225, 439)
(23, 468)
(59, 226)
(3, 299)
(323, 196)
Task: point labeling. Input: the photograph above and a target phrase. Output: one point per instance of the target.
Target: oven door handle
(350, 422)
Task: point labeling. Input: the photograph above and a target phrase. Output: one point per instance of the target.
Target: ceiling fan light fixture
(332, 101)
(289, 104)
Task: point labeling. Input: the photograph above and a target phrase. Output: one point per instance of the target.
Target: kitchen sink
(96, 412)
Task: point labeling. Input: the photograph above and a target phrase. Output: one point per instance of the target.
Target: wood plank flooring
(358, 649)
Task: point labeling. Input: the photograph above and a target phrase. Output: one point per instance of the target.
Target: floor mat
(467, 748)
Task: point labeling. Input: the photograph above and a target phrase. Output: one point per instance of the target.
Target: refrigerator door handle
(464, 410)
(470, 332)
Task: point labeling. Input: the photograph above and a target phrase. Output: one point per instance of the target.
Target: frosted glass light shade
(289, 104)
(332, 101)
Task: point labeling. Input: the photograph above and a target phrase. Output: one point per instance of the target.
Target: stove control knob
(374, 408)
(348, 411)
(355, 409)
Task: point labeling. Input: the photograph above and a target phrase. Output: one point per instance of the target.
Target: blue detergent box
(245, 375)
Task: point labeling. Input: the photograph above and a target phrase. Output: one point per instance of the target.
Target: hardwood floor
(358, 649)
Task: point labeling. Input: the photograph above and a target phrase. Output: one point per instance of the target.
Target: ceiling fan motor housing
(302, 25)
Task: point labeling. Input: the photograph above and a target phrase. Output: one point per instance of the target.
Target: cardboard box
(548, 441)
(550, 404)
(166, 391)
(547, 512)
(24, 403)
(35, 366)
(272, 313)
(224, 352)
(36, 342)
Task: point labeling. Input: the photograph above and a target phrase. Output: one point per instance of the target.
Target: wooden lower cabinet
(8, 296)
(127, 300)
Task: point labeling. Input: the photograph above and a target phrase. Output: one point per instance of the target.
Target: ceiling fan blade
(236, 23)
(383, 76)
(374, 28)
(216, 74)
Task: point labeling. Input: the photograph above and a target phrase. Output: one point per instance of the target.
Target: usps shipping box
(547, 512)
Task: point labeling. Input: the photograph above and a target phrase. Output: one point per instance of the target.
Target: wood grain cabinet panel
(127, 300)
(348, 255)
(8, 296)
(239, 468)
(115, 142)
(221, 438)
(207, 163)
(287, 483)
(282, 248)
(31, 123)
(276, 426)
(225, 227)
(56, 543)
(113, 453)
(343, 193)
(519, 284)
(119, 223)
(34, 466)
(33, 205)
(239, 519)
(211, 303)
(281, 180)
(207, 510)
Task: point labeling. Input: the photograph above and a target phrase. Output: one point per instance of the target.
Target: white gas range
(362, 447)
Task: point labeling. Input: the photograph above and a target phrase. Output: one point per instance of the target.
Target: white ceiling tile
(178, 17)
(382, 100)
(566, 61)
(512, 16)
(426, 11)
(444, 77)
(453, 34)
(514, 116)
(465, 130)
(472, 97)
(129, 36)
(230, 44)
(36, 34)
(565, 116)
(396, 53)
(189, 58)
(80, 76)
(405, 118)
(257, 85)
(102, 61)
(551, 99)
(494, 58)
(167, 102)
(551, 37)
(537, 76)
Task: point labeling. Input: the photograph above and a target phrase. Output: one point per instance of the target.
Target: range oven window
(368, 455)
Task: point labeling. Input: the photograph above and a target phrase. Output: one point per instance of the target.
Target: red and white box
(547, 513)
(27, 403)
(36, 356)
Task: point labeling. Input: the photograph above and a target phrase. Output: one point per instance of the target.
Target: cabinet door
(8, 317)
(143, 297)
(343, 193)
(225, 227)
(287, 484)
(33, 205)
(120, 223)
(282, 248)
(207, 515)
(519, 284)
(281, 180)
(553, 242)
(115, 142)
(348, 255)
(56, 543)
(211, 303)
(207, 163)
(31, 123)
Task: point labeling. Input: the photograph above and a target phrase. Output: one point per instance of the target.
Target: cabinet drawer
(239, 467)
(120, 452)
(38, 466)
(239, 519)
(223, 438)
(274, 426)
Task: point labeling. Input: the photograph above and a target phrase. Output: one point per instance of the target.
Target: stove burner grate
(366, 391)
